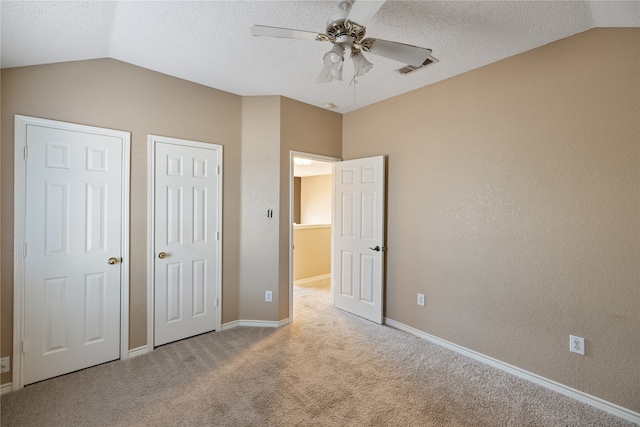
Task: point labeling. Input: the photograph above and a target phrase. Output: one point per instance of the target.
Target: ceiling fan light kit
(360, 63)
(346, 28)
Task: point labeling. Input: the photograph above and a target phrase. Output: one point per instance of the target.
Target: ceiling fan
(346, 28)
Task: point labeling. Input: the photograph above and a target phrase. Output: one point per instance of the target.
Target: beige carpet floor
(328, 368)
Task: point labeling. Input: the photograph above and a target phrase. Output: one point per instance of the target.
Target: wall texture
(312, 251)
(259, 234)
(297, 187)
(514, 206)
(315, 200)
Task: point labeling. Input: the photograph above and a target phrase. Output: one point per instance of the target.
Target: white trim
(5, 388)
(20, 140)
(124, 270)
(151, 224)
(284, 322)
(306, 226)
(230, 325)
(259, 323)
(311, 156)
(256, 323)
(311, 279)
(578, 395)
(151, 154)
(139, 351)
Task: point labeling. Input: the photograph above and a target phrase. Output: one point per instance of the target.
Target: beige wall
(271, 127)
(297, 186)
(312, 251)
(315, 200)
(514, 206)
(260, 193)
(307, 129)
(113, 94)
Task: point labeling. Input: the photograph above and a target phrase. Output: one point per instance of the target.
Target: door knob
(162, 255)
(112, 261)
(377, 249)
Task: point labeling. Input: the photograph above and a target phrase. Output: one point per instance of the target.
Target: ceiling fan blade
(406, 53)
(324, 76)
(264, 31)
(363, 10)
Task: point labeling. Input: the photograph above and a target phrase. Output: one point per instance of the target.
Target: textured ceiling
(210, 42)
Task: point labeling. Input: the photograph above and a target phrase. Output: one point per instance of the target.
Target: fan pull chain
(354, 82)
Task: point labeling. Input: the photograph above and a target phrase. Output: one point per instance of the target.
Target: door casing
(311, 156)
(152, 141)
(19, 197)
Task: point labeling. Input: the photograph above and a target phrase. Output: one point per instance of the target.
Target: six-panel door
(73, 227)
(186, 249)
(358, 233)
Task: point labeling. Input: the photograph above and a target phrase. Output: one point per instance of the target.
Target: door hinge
(217, 302)
(24, 250)
(24, 346)
(26, 152)
(217, 235)
(218, 169)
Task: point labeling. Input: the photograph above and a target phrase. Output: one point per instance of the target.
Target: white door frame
(320, 158)
(152, 140)
(19, 229)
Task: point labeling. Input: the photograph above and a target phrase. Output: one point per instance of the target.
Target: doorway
(311, 216)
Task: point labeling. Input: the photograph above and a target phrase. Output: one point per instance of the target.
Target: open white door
(358, 237)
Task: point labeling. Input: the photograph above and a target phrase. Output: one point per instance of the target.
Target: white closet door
(186, 240)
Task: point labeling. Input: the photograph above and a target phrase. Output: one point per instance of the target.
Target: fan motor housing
(339, 30)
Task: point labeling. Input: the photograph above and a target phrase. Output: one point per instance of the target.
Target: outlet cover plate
(268, 296)
(576, 344)
(5, 364)
(421, 300)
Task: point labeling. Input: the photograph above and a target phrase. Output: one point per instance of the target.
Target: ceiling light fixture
(360, 63)
(346, 29)
(333, 61)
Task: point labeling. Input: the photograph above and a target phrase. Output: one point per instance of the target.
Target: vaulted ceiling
(210, 43)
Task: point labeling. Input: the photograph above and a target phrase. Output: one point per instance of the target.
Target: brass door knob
(162, 255)
(112, 261)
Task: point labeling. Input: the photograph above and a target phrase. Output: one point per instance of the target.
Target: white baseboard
(257, 323)
(311, 279)
(6, 388)
(284, 322)
(134, 352)
(263, 323)
(230, 325)
(578, 395)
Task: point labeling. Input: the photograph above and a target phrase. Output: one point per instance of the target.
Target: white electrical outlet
(268, 297)
(576, 344)
(5, 364)
(421, 299)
